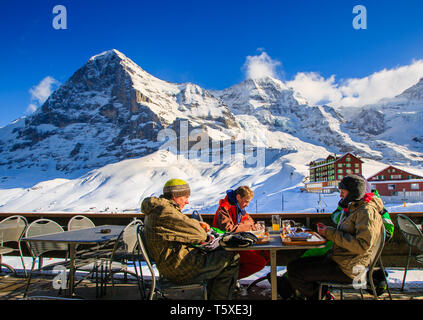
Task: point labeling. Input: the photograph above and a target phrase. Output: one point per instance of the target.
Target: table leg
(71, 268)
(273, 279)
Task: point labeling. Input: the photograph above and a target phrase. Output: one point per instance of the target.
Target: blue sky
(207, 42)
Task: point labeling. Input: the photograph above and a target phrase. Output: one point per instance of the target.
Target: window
(348, 165)
(339, 165)
(396, 176)
(340, 177)
(348, 159)
(356, 170)
(391, 187)
(356, 165)
(414, 186)
(340, 171)
(349, 171)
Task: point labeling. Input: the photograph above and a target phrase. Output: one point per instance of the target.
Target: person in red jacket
(231, 216)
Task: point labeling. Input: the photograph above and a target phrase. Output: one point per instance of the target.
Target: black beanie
(355, 185)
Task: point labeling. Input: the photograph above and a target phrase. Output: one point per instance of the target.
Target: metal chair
(414, 238)
(80, 222)
(369, 285)
(11, 230)
(124, 254)
(37, 249)
(161, 285)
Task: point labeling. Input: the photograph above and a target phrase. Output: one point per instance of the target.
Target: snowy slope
(113, 134)
(121, 186)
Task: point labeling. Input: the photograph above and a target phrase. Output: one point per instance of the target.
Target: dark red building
(393, 181)
(325, 174)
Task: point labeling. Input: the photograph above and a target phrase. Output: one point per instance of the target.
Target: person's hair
(244, 191)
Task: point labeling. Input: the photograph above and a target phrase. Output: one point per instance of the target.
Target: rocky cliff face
(109, 110)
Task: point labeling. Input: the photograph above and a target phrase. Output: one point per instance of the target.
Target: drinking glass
(276, 220)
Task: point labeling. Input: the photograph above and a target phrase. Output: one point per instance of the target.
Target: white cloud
(356, 92)
(31, 108)
(261, 66)
(41, 92)
(316, 89)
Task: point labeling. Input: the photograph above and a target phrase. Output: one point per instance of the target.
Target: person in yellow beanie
(171, 239)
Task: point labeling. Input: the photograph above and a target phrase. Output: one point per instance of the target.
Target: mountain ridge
(111, 110)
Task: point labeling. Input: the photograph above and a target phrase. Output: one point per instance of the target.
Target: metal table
(77, 237)
(275, 244)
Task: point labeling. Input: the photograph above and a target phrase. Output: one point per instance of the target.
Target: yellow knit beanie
(176, 188)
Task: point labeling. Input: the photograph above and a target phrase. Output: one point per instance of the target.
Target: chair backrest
(129, 235)
(12, 229)
(42, 227)
(80, 222)
(196, 215)
(413, 236)
(126, 241)
(143, 249)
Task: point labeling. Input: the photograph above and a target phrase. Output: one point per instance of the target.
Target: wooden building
(393, 181)
(325, 174)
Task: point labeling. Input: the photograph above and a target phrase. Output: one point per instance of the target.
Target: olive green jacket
(169, 236)
(356, 236)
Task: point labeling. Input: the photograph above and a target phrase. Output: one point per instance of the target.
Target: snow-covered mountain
(280, 108)
(113, 127)
(108, 111)
(391, 127)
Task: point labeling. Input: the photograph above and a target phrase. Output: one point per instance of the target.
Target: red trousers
(252, 261)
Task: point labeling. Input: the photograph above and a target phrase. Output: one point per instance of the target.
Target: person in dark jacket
(354, 240)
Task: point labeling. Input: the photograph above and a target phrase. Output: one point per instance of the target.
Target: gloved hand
(212, 243)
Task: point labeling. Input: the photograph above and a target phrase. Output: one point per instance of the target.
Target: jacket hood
(150, 204)
(371, 200)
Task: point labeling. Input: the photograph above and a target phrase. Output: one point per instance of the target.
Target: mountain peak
(413, 93)
(109, 54)
(267, 81)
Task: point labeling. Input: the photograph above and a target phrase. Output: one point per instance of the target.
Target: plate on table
(299, 236)
(263, 237)
(303, 238)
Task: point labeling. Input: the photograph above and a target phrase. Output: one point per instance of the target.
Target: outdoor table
(275, 244)
(76, 237)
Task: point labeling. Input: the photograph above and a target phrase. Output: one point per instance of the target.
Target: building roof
(396, 181)
(407, 170)
(334, 157)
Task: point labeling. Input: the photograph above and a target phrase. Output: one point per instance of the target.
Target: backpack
(238, 239)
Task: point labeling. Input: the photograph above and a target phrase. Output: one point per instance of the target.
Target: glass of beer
(276, 220)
